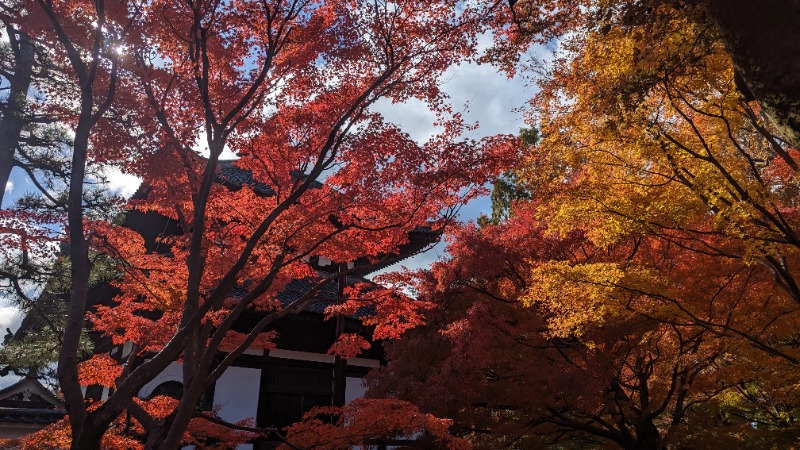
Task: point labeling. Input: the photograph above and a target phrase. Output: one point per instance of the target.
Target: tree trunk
(89, 438)
(79, 289)
(156, 435)
(648, 437)
(180, 421)
(763, 38)
(14, 116)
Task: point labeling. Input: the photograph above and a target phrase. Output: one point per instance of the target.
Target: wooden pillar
(339, 363)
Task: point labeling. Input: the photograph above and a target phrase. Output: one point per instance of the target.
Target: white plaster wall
(173, 372)
(354, 388)
(236, 392)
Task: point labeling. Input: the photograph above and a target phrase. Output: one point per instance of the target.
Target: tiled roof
(237, 178)
(28, 402)
(234, 178)
(326, 296)
(31, 393)
(296, 288)
(418, 239)
(30, 415)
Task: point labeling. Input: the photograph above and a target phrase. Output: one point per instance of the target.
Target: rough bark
(180, 421)
(763, 38)
(88, 438)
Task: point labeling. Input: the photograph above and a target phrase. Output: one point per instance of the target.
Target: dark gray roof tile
(30, 415)
(327, 295)
(236, 178)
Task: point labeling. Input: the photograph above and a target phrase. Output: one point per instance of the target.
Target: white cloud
(482, 95)
(487, 97)
(201, 147)
(10, 317)
(413, 116)
(122, 183)
(479, 92)
(9, 186)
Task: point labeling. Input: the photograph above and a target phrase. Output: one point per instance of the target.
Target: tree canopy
(286, 86)
(641, 293)
(635, 286)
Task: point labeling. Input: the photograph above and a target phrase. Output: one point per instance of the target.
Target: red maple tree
(288, 86)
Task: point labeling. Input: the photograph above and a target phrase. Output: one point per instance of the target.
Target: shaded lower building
(27, 406)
